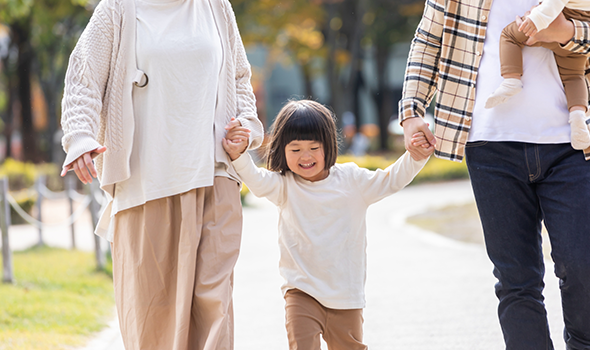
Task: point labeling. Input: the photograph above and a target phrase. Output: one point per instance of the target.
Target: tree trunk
(383, 97)
(9, 113)
(21, 36)
(307, 79)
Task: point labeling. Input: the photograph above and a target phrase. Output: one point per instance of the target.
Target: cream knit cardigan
(97, 106)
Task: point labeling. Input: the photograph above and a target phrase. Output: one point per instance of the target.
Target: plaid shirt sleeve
(422, 68)
(580, 43)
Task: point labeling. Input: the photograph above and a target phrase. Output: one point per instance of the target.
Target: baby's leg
(511, 44)
(571, 70)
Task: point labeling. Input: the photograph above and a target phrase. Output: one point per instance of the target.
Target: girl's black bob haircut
(303, 120)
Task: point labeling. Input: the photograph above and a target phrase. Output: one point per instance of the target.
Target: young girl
(571, 65)
(322, 209)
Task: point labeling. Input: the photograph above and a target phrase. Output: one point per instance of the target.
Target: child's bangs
(302, 128)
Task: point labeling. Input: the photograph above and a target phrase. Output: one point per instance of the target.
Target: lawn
(56, 302)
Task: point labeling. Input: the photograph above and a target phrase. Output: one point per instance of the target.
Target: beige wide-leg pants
(173, 261)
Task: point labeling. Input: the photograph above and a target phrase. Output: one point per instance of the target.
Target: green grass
(56, 302)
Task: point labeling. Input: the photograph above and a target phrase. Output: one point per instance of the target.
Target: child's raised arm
(236, 139)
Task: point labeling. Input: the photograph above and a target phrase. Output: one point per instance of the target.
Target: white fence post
(38, 183)
(8, 275)
(94, 209)
(70, 185)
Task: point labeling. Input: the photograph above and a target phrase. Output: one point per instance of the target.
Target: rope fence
(92, 200)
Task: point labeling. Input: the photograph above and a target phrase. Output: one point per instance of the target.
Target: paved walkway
(424, 291)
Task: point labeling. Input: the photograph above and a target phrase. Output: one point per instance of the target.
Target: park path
(424, 291)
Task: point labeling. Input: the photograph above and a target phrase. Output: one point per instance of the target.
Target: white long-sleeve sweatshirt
(322, 227)
(548, 10)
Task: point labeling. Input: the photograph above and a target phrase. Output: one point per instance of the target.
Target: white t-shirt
(538, 114)
(179, 48)
(322, 227)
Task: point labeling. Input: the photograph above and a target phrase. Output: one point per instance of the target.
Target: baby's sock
(507, 89)
(580, 132)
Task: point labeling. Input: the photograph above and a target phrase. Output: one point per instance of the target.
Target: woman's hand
(83, 166)
(236, 139)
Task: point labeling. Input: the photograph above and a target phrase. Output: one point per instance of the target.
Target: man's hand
(560, 30)
(418, 150)
(83, 166)
(236, 139)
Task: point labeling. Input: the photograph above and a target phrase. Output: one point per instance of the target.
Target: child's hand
(236, 139)
(528, 27)
(419, 140)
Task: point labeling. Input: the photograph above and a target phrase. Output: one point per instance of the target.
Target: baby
(570, 65)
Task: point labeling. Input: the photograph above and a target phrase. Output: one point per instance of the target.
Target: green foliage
(14, 10)
(21, 175)
(21, 179)
(291, 30)
(442, 170)
(243, 192)
(368, 161)
(58, 300)
(26, 199)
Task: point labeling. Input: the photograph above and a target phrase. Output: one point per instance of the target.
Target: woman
(150, 87)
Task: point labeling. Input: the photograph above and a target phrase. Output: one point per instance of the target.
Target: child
(570, 65)
(322, 209)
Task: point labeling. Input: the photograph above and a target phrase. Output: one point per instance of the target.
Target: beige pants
(571, 65)
(173, 261)
(306, 319)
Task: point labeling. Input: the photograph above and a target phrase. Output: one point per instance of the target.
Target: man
(522, 167)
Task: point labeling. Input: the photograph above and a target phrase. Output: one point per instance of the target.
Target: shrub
(21, 179)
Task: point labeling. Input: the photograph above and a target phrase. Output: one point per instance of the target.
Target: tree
(41, 36)
(289, 29)
(388, 22)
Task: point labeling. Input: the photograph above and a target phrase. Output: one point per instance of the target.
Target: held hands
(418, 139)
(83, 166)
(236, 139)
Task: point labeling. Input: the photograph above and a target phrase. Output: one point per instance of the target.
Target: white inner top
(179, 48)
(539, 113)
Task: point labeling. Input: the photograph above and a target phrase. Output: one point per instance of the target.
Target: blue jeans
(516, 186)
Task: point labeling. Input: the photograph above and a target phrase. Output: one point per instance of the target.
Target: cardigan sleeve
(422, 68)
(246, 100)
(260, 181)
(85, 82)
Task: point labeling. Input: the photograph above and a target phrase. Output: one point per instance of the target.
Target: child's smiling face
(306, 159)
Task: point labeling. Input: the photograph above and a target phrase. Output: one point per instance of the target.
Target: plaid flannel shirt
(444, 58)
